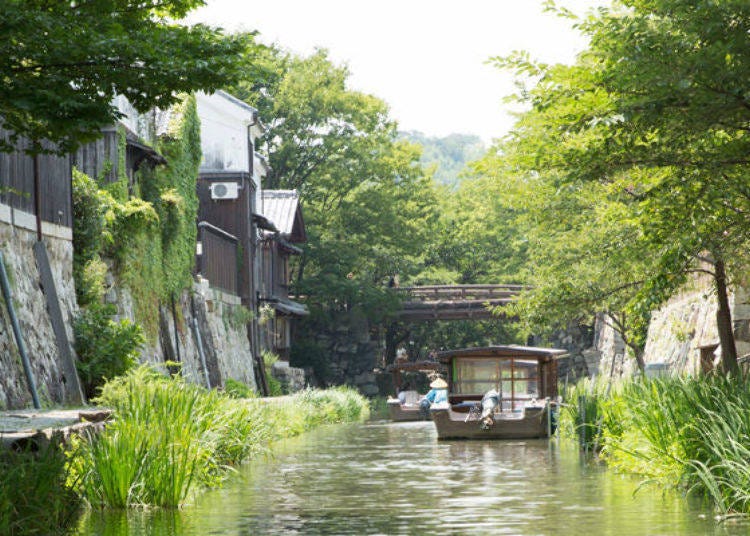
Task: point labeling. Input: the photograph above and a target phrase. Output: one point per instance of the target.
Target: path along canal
(396, 478)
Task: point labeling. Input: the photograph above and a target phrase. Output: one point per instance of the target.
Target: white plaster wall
(223, 133)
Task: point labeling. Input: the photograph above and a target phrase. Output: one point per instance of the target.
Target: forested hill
(450, 154)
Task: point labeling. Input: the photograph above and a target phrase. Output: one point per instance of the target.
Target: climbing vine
(146, 229)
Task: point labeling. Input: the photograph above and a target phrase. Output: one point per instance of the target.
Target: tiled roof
(280, 207)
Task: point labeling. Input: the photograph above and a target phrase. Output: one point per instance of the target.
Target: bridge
(455, 302)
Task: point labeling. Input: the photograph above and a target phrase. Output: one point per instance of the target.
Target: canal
(396, 478)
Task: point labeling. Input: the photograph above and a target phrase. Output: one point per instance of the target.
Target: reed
(690, 433)
(35, 494)
(170, 438)
(589, 412)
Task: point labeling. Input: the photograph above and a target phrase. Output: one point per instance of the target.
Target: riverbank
(691, 434)
(168, 440)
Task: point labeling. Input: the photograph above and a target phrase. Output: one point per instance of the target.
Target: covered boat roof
(511, 350)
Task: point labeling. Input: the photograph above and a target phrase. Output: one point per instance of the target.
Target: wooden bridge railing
(455, 302)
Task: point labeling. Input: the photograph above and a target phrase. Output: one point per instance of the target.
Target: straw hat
(439, 384)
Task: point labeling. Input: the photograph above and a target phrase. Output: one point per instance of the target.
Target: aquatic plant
(170, 438)
(689, 433)
(591, 409)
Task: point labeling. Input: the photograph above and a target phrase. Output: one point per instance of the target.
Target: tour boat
(523, 377)
(409, 409)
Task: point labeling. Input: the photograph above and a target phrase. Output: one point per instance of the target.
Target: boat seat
(411, 398)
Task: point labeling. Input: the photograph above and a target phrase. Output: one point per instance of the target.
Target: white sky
(425, 58)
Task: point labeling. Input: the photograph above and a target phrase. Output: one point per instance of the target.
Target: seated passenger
(404, 393)
(437, 394)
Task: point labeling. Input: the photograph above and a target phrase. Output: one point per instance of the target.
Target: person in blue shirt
(437, 394)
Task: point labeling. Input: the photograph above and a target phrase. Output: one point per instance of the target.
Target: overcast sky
(425, 58)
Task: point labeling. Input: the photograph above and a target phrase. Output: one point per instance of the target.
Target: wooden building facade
(282, 209)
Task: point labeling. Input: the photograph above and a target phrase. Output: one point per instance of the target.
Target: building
(282, 209)
(228, 188)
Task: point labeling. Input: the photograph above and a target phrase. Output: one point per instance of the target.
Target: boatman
(437, 394)
(490, 401)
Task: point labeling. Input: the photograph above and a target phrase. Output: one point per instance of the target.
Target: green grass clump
(35, 495)
(237, 389)
(592, 410)
(293, 415)
(688, 433)
(170, 439)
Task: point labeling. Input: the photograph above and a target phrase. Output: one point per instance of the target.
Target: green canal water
(391, 478)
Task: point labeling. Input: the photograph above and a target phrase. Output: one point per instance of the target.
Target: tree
(450, 154)
(367, 202)
(656, 106)
(62, 63)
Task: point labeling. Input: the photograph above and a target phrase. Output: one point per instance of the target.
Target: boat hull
(399, 413)
(529, 424)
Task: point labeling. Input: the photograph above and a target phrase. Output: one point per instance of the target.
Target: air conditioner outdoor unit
(224, 190)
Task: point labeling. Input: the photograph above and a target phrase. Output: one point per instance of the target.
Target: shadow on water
(386, 478)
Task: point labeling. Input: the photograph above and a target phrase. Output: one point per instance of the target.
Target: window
(516, 379)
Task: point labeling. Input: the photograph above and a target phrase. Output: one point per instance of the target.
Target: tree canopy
(645, 137)
(368, 204)
(62, 62)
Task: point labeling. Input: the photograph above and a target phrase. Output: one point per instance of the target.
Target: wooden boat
(409, 410)
(525, 379)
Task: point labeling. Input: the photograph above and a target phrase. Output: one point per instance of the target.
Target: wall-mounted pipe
(201, 353)
(17, 333)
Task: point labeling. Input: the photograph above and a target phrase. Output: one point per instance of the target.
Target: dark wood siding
(98, 159)
(17, 183)
(218, 260)
(233, 216)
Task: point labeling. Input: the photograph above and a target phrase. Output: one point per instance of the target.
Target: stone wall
(678, 331)
(17, 238)
(351, 356)
(578, 340)
(688, 322)
(292, 378)
(209, 315)
(218, 318)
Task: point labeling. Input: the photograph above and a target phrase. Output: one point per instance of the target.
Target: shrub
(237, 389)
(105, 348)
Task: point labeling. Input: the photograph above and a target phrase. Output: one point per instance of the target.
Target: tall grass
(293, 415)
(690, 433)
(35, 496)
(591, 410)
(170, 438)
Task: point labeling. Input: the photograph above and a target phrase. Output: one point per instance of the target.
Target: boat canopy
(517, 373)
(512, 350)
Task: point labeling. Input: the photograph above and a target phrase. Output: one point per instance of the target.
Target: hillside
(450, 154)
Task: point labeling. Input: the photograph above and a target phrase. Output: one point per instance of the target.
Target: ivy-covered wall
(135, 243)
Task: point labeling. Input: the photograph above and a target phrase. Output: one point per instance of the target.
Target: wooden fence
(17, 183)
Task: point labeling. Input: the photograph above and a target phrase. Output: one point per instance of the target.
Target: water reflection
(384, 478)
